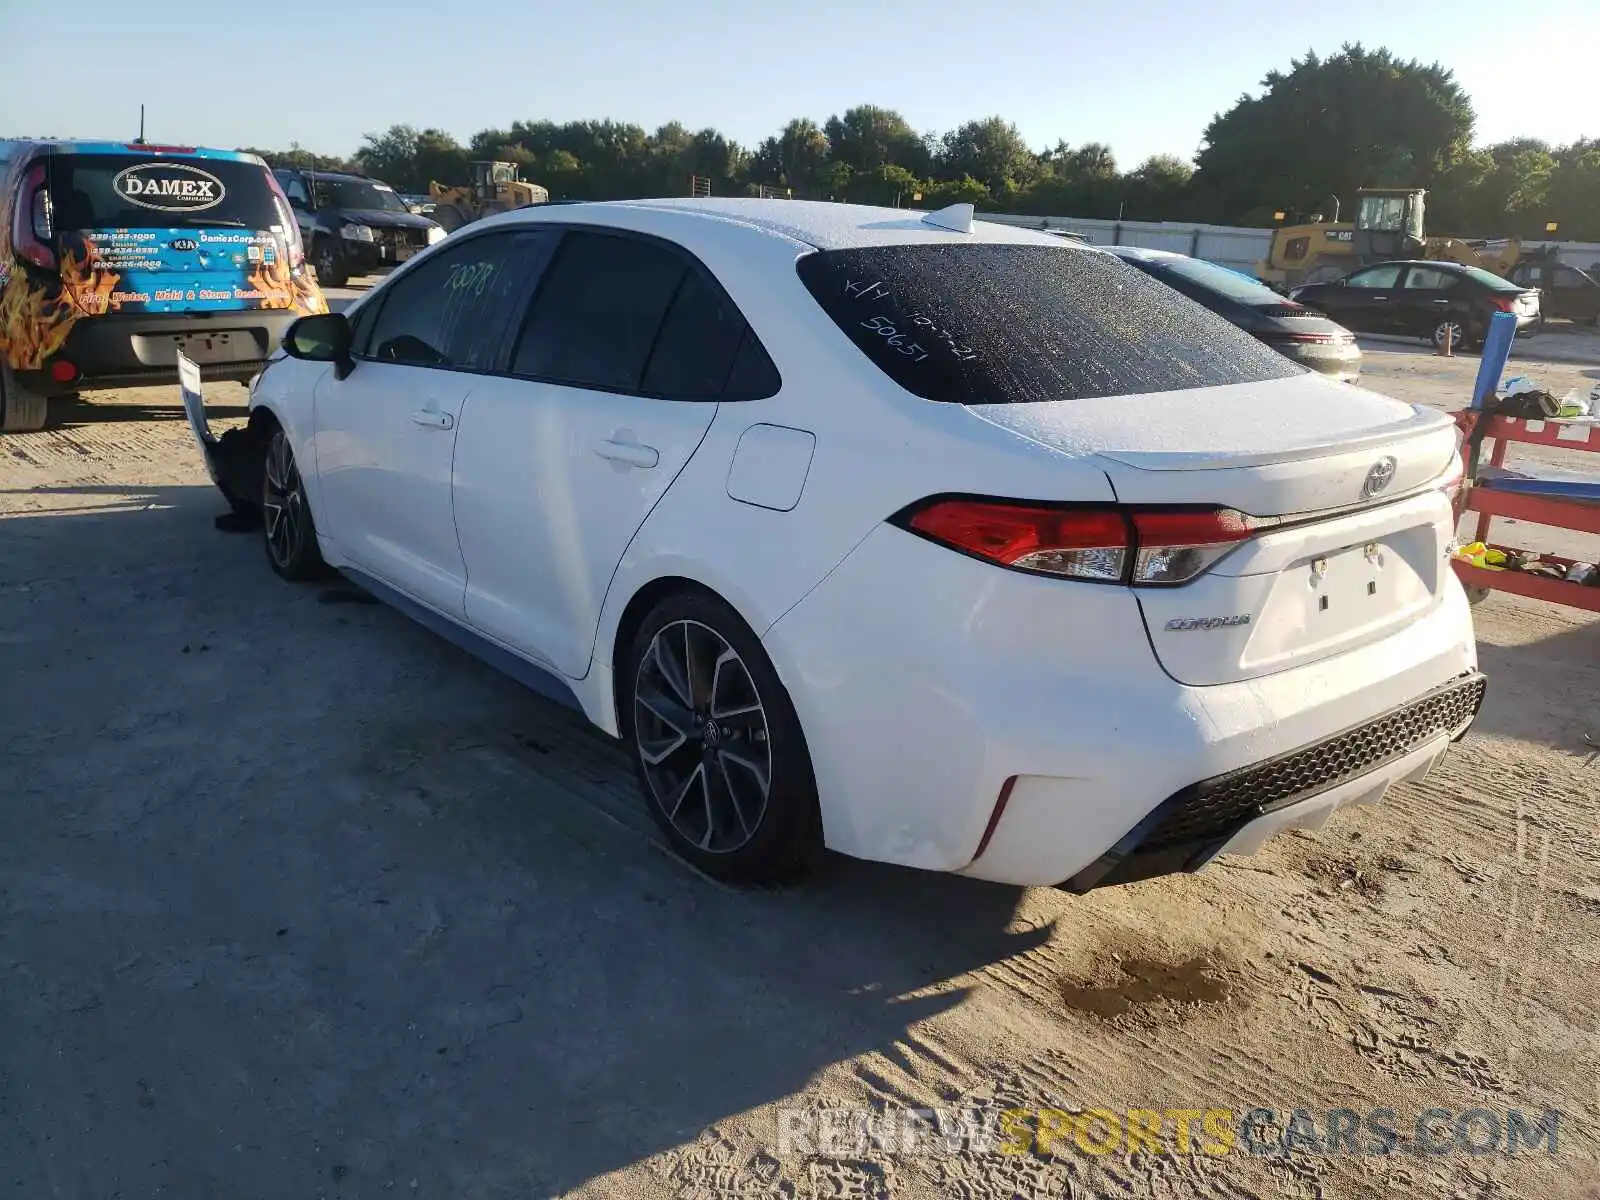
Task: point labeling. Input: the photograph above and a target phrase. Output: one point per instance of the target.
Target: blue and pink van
(116, 256)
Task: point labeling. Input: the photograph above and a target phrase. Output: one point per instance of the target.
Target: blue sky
(1142, 75)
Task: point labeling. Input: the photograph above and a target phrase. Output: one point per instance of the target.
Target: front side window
(451, 310)
(1376, 279)
(1008, 324)
(1567, 278)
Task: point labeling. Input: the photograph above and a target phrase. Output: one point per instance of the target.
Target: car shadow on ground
(310, 902)
(78, 411)
(1542, 692)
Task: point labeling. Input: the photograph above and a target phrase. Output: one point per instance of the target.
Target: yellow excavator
(1388, 225)
(496, 187)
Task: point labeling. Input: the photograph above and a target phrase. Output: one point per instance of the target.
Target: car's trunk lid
(1344, 563)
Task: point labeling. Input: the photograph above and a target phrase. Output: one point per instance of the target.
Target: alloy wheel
(1458, 335)
(283, 502)
(701, 731)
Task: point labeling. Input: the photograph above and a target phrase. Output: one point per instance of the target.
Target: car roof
(92, 146)
(824, 225)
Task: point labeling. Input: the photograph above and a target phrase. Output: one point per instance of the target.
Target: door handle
(631, 453)
(432, 418)
(1380, 298)
(1441, 303)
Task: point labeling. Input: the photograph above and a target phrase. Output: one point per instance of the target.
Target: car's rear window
(1009, 324)
(1489, 279)
(143, 191)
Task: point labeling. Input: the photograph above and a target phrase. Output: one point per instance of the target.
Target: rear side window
(596, 316)
(140, 191)
(695, 348)
(1005, 324)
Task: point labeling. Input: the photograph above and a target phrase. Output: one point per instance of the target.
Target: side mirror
(321, 337)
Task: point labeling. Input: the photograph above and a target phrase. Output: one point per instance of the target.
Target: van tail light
(295, 248)
(33, 220)
(1144, 547)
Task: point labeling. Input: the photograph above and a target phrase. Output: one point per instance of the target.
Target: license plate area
(1343, 598)
(223, 347)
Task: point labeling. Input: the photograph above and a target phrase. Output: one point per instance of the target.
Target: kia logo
(1379, 477)
(182, 244)
(169, 187)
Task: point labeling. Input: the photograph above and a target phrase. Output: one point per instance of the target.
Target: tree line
(1301, 147)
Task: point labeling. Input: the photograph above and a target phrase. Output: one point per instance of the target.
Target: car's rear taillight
(33, 220)
(292, 243)
(1307, 339)
(1080, 543)
(1144, 547)
(1504, 303)
(1173, 546)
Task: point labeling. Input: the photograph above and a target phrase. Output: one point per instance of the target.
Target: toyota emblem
(1379, 477)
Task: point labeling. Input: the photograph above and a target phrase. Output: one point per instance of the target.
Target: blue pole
(1496, 353)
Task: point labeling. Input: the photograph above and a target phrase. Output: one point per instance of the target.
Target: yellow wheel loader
(496, 187)
(1388, 225)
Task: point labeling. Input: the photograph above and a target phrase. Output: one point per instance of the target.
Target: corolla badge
(169, 187)
(1188, 624)
(1379, 477)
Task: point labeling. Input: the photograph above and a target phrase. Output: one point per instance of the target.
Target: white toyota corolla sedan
(934, 542)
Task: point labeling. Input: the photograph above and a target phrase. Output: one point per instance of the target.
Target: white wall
(1233, 246)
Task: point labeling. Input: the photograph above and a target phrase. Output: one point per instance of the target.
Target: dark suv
(352, 225)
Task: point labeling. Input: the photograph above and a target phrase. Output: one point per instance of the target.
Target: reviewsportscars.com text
(1215, 1132)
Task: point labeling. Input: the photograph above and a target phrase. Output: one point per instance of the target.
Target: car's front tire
(21, 411)
(288, 532)
(717, 745)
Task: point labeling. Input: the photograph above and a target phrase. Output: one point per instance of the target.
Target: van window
(1009, 324)
(142, 191)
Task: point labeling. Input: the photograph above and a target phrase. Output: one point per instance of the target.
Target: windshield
(138, 191)
(1213, 278)
(1488, 279)
(995, 323)
(357, 193)
(1386, 214)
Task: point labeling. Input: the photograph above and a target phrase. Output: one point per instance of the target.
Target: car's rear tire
(21, 410)
(717, 745)
(288, 532)
(330, 266)
(1461, 337)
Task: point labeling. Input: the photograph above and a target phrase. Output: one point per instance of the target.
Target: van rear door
(144, 232)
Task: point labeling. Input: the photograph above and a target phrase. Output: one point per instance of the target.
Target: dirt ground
(296, 900)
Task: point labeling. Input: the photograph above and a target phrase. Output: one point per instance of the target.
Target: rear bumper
(1019, 729)
(136, 350)
(1238, 812)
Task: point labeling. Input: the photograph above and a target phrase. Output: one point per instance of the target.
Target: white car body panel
(551, 484)
(385, 441)
(924, 679)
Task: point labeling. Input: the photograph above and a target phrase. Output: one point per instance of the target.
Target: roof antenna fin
(957, 218)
